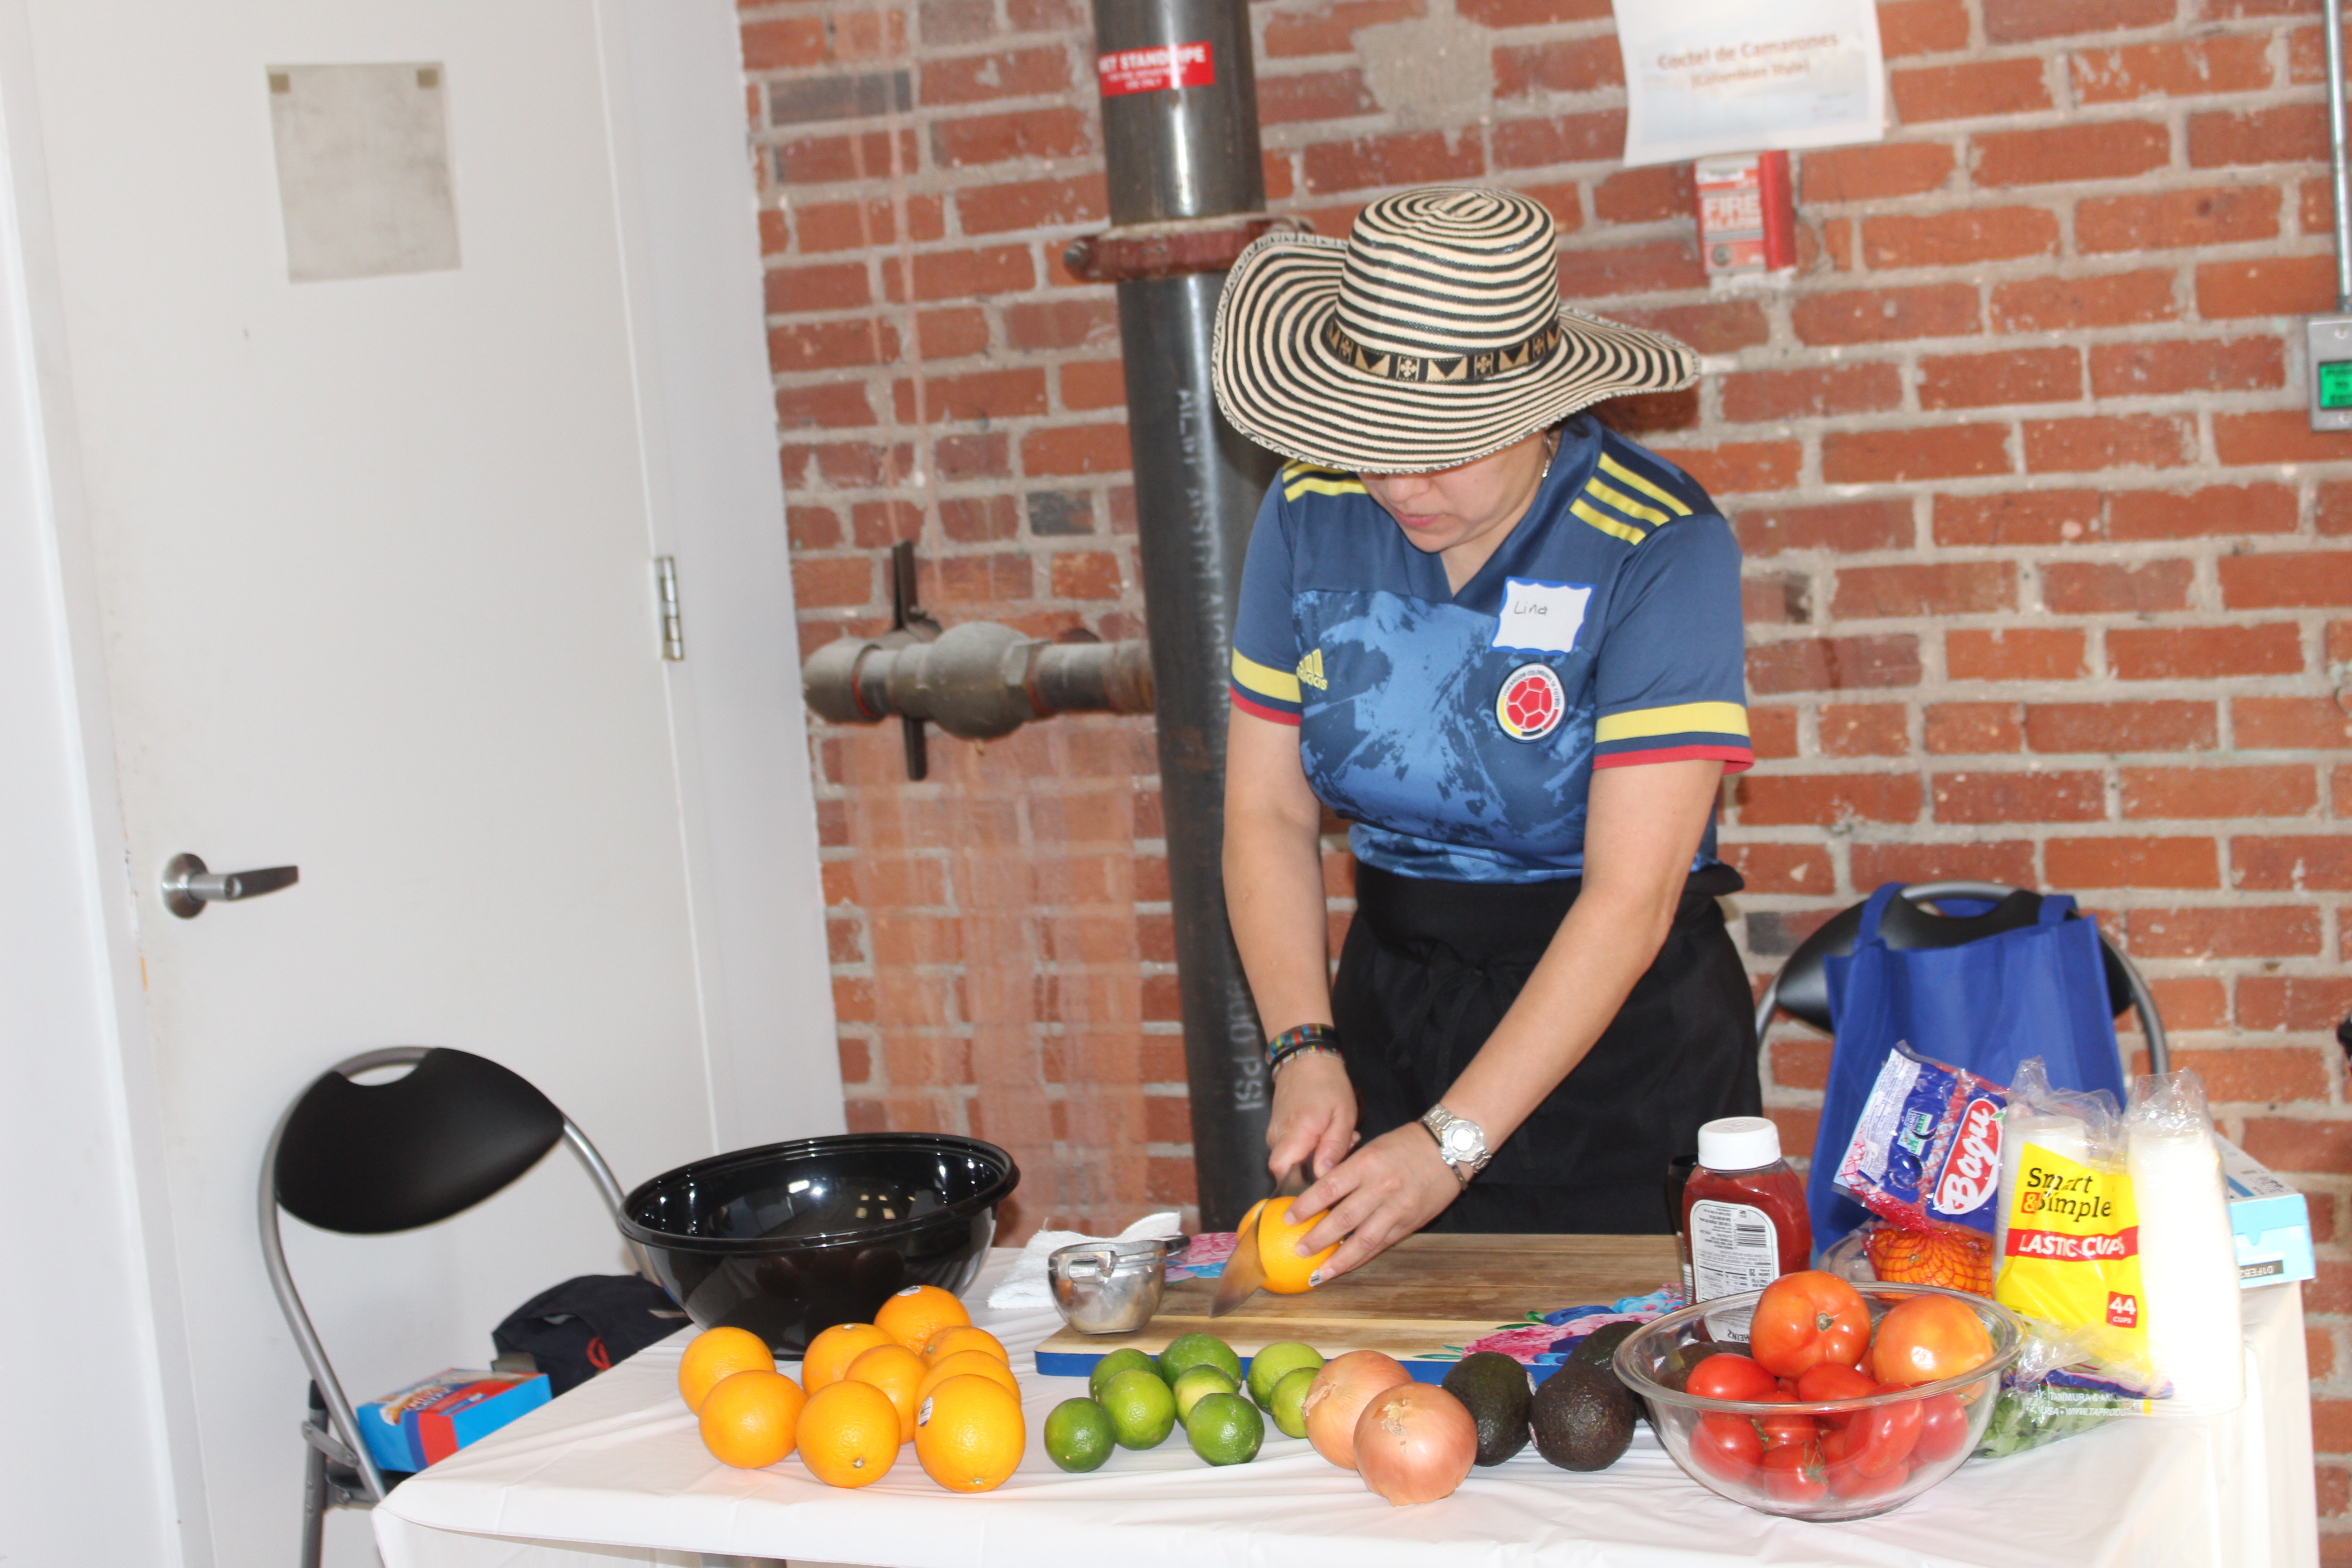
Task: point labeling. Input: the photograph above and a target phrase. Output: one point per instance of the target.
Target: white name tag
(1541, 617)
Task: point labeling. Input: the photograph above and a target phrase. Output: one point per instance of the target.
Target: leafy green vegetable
(2029, 1417)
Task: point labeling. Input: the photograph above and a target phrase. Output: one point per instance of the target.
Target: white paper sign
(1732, 76)
(1540, 617)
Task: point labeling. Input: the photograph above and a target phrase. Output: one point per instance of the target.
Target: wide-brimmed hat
(1432, 335)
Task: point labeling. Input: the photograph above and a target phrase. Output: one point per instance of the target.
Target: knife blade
(1244, 1272)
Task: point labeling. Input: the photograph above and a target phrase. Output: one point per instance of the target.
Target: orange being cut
(750, 1420)
(830, 1353)
(913, 1315)
(964, 1337)
(716, 1353)
(896, 1371)
(970, 1434)
(848, 1434)
(1287, 1273)
(966, 1363)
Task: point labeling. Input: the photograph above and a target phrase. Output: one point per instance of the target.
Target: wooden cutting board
(1421, 1302)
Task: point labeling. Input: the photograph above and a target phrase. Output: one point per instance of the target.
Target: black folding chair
(1801, 987)
(370, 1159)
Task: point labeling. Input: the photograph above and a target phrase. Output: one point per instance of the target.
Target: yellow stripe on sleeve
(1604, 522)
(1684, 718)
(1266, 681)
(1616, 470)
(1623, 503)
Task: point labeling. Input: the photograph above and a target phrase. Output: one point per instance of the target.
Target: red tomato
(1780, 1430)
(1849, 1483)
(1831, 1381)
(1882, 1436)
(1726, 1446)
(1805, 1319)
(1795, 1473)
(1942, 1429)
(1730, 1377)
(1927, 1338)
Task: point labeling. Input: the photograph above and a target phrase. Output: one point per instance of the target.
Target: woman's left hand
(1377, 1196)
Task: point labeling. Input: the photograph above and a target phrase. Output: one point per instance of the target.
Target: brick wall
(2048, 581)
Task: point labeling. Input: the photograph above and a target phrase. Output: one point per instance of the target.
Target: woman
(1504, 644)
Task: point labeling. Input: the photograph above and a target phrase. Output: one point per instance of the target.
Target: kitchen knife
(1243, 1273)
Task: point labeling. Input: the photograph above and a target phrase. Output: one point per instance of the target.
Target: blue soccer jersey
(1458, 733)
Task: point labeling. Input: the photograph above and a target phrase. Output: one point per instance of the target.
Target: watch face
(1462, 1142)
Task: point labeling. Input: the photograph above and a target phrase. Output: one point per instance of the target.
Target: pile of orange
(1957, 1259)
(921, 1372)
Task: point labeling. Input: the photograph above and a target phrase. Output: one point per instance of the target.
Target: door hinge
(673, 629)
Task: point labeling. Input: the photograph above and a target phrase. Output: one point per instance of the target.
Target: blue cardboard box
(433, 1419)
(2270, 1220)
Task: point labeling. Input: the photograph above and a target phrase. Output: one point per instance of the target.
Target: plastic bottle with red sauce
(1744, 1223)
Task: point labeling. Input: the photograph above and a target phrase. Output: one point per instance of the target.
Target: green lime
(1276, 1362)
(1225, 1429)
(1077, 1434)
(1198, 1350)
(1142, 1411)
(1195, 1381)
(1127, 1358)
(1289, 1405)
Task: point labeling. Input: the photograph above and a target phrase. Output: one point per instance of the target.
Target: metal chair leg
(314, 1500)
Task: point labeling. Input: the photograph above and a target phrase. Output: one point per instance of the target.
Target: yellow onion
(1338, 1396)
(1414, 1443)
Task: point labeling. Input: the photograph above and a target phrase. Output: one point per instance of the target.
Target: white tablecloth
(615, 1472)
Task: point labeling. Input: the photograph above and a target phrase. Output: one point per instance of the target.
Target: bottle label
(1733, 1247)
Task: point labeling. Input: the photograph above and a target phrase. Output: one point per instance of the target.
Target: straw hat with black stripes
(1433, 335)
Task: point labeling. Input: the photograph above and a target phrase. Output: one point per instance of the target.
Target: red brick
(2316, 202)
(1720, 327)
(1874, 171)
(1783, 868)
(1775, 598)
(2277, 1003)
(2188, 1001)
(974, 519)
(2275, 864)
(977, 79)
(1567, 65)
(2020, 21)
(2333, 514)
(2298, 1145)
(2255, 1075)
(1060, 132)
(1984, 380)
(1772, 800)
(1921, 26)
(792, 289)
(2114, 588)
(1558, 139)
(1660, 192)
(1845, 526)
(783, 42)
(2189, 795)
(1772, 731)
(1833, 664)
(1657, 267)
(1865, 729)
(2121, 726)
(1062, 324)
(962, 274)
(2232, 62)
(2288, 725)
(2109, 441)
(962, 457)
(830, 160)
(1647, 412)
(830, 345)
(2204, 653)
(2063, 304)
(989, 395)
(1074, 449)
(823, 583)
(1928, 452)
(855, 226)
(1409, 158)
(2231, 365)
(2282, 436)
(2290, 134)
(2016, 517)
(2171, 220)
(1738, 467)
(2018, 797)
(2101, 150)
(2311, 579)
(1943, 588)
(1032, 203)
(833, 405)
(868, 35)
(2257, 931)
(2006, 860)
(2131, 863)
(1955, 238)
(813, 527)
(2214, 511)
(2021, 654)
(1968, 729)
(1091, 384)
(1313, 95)
(2269, 286)
(1881, 315)
(1085, 575)
(1972, 90)
(985, 579)
(1330, 29)
(951, 334)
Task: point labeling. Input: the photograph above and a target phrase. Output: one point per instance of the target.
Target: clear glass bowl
(1657, 1359)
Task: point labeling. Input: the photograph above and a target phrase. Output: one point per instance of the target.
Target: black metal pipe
(976, 682)
(1174, 154)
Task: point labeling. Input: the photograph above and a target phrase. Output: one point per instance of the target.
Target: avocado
(1599, 1346)
(1582, 1417)
(1493, 1389)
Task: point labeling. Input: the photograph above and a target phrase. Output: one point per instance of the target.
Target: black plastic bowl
(788, 1239)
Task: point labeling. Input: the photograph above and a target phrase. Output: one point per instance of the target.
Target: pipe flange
(1173, 248)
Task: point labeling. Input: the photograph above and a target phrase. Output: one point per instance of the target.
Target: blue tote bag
(1986, 1005)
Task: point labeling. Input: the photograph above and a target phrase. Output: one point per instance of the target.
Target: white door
(369, 564)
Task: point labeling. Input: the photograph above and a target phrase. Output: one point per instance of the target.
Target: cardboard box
(433, 1419)
(2270, 1219)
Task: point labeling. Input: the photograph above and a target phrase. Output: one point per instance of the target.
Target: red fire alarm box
(1747, 216)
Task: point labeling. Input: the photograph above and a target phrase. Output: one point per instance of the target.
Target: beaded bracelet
(1306, 1039)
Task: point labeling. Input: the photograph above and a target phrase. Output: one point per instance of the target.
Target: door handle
(188, 886)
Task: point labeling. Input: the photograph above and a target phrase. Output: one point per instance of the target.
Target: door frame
(738, 731)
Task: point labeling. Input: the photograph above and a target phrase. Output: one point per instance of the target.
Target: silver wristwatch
(1461, 1143)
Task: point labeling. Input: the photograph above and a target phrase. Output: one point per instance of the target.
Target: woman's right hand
(1314, 1116)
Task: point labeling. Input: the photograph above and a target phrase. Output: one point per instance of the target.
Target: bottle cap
(1739, 1144)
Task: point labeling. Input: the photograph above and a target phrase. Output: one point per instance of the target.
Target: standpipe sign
(1159, 69)
(1730, 76)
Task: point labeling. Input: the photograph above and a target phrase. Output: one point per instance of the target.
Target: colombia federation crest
(1531, 703)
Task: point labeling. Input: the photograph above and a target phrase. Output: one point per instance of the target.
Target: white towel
(1025, 1287)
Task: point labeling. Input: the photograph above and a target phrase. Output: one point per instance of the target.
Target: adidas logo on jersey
(1310, 670)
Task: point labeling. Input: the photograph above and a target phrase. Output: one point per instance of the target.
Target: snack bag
(1926, 1147)
(2069, 1238)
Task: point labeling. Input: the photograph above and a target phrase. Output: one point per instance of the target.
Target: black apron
(1428, 970)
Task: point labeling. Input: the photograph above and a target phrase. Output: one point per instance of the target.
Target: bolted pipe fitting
(977, 682)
